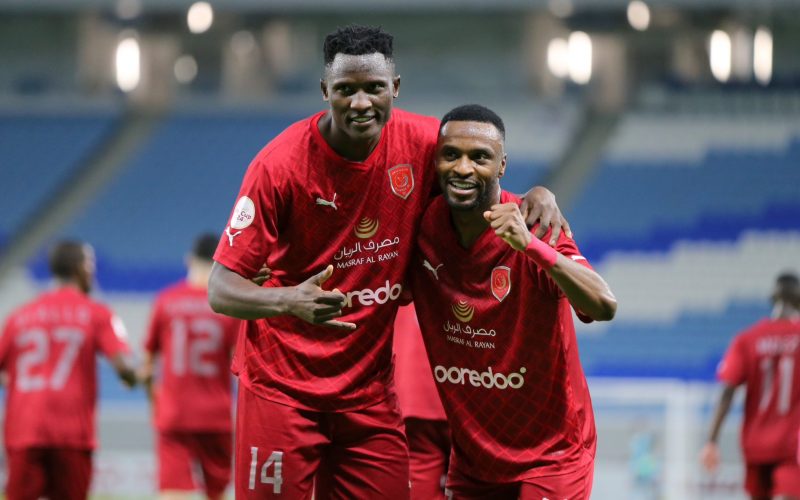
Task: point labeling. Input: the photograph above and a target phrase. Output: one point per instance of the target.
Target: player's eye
(345, 90)
(374, 88)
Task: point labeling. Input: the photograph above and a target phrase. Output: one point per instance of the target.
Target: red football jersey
(766, 358)
(302, 207)
(193, 391)
(416, 390)
(501, 341)
(48, 349)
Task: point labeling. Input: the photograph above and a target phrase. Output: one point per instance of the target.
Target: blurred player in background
(345, 187)
(765, 358)
(494, 307)
(192, 394)
(48, 349)
(426, 423)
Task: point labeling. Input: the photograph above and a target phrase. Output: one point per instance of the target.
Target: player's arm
(146, 373)
(125, 370)
(237, 296)
(539, 205)
(585, 289)
(709, 456)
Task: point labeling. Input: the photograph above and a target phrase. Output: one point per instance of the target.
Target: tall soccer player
(192, 395)
(765, 358)
(344, 189)
(497, 324)
(48, 349)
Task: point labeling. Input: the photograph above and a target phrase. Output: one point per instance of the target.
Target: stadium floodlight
(762, 55)
(639, 15)
(579, 46)
(719, 55)
(185, 69)
(128, 62)
(558, 57)
(200, 17)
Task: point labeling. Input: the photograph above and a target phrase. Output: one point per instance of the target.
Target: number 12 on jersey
(276, 461)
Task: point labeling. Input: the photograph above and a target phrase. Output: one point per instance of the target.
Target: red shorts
(287, 453)
(62, 473)
(429, 452)
(771, 480)
(179, 451)
(576, 485)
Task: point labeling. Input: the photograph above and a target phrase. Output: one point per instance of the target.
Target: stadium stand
(689, 218)
(48, 147)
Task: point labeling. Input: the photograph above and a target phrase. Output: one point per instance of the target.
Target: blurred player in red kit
(48, 349)
(765, 358)
(192, 394)
(426, 423)
(493, 304)
(344, 189)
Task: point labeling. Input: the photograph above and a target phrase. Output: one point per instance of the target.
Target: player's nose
(360, 101)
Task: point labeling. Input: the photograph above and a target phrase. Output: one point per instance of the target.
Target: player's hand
(539, 205)
(311, 303)
(507, 222)
(263, 275)
(709, 457)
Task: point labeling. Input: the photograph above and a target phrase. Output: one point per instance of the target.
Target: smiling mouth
(463, 187)
(362, 119)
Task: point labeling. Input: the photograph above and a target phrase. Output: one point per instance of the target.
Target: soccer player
(426, 424)
(494, 306)
(192, 396)
(765, 358)
(344, 189)
(48, 348)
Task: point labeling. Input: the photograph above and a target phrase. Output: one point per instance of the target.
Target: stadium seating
(47, 147)
(689, 218)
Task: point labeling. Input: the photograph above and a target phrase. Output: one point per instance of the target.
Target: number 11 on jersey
(276, 460)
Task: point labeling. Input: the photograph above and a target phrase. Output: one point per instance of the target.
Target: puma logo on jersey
(231, 236)
(435, 270)
(327, 203)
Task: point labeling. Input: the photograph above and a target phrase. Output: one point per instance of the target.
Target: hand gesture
(539, 205)
(263, 275)
(507, 222)
(311, 303)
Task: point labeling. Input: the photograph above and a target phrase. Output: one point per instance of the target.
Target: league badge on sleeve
(501, 282)
(401, 180)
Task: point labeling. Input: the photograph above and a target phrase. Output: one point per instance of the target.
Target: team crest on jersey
(401, 180)
(366, 228)
(463, 311)
(501, 282)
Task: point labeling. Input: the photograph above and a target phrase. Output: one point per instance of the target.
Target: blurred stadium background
(669, 130)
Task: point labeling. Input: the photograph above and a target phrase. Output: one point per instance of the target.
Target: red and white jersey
(48, 349)
(302, 207)
(501, 341)
(193, 391)
(416, 390)
(766, 359)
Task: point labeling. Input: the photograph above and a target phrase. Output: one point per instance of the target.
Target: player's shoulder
(426, 127)
(172, 291)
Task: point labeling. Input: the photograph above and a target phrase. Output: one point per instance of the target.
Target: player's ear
(502, 166)
(396, 86)
(323, 86)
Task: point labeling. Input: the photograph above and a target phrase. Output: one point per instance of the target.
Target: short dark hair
(66, 257)
(788, 278)
(474, 113)
(356, 40)
(204, 246)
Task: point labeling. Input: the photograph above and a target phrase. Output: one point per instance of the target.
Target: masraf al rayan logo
(366, 228)
(463, 311)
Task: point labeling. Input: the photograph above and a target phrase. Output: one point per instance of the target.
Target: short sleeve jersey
(303, 207)
(194, 344)
(766, 359)
(416, 390)
(48, 349)
(501, 341)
